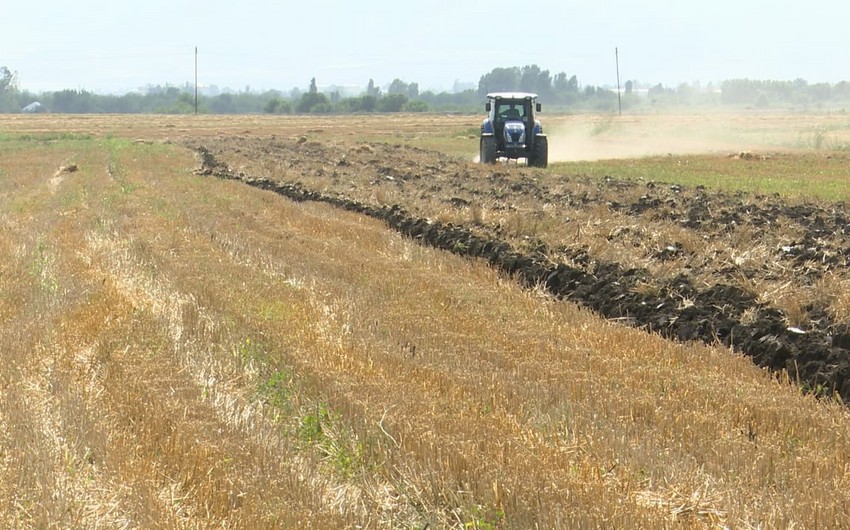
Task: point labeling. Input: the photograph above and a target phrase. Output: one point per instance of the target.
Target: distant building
(33, 107)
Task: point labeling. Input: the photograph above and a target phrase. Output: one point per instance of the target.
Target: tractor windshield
(510, 110)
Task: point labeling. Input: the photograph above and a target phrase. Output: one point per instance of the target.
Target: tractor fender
(538, 129)
(487, 127)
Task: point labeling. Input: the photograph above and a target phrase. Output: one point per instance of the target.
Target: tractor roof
(511, 95)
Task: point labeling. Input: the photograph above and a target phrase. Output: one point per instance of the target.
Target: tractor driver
(511, 113)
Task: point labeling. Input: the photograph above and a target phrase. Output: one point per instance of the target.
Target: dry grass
(183, 352)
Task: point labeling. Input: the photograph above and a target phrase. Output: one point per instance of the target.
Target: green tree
(321, 108)
(392, 103)
(277, 106)
(357, 104)
(7, 79)
(397, 87)
(223, 104)
(534, 79)
(9, 93)
(415, 106)
(499, 80)
(74, 102)
(411, 90)
(310, 100)
(820, 91)
(372, 90)
(368, 103)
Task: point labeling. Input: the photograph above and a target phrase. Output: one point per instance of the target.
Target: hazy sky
(118, 46)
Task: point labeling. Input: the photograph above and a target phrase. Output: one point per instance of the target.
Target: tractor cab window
(510, 111)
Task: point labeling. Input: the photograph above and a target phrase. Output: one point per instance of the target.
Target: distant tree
(629, 87)
(559, 83)
(464, 101)
(7, 79)
(277, 106)
(529, 78)
(372, 90)
(321, 108)
(223, 104)
(572, 85)
(357, 104)
(392, 103)
(533, 79)
(737, 91)
(310, 100)
(499, 80)
(658, 91)
(841, 91)
(685, 92)
(413, 90)
(73, 102)
(820, 91)
(397, 87)
(368, 103)
(415, 106)
(185, 104)
(565, 89)
(9, 93)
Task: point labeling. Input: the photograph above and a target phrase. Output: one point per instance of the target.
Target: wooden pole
(619, 97)
(196, 79)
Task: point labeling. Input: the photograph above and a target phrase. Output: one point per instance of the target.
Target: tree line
(559, 91)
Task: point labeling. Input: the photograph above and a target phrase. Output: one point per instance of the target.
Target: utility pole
(619, 97)
(196, 79)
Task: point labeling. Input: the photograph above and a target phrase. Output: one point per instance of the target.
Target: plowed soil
(758, 274)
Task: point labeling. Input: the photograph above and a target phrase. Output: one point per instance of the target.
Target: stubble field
(416, 340)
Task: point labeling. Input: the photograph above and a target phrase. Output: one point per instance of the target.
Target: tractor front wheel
(488, 150)
(540, 152)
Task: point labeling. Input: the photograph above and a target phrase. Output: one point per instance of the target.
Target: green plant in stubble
(336, 444)
(277, 390)
(311, 427)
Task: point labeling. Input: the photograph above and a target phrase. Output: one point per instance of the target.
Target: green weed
(485, 519)
(311, 428)
(277, 390)
(338, 447)
(249, 351)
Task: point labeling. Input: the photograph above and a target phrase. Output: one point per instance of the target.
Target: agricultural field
(345, 322)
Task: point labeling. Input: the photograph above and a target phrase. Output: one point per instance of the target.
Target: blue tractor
(511, 131)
